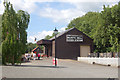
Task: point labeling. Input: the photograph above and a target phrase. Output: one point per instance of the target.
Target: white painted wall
(105, 61)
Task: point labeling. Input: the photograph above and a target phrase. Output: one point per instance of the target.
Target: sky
(45, 15)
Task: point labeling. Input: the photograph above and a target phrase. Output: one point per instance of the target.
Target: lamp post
(55, 32)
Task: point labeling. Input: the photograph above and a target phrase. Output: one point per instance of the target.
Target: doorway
(84, 50)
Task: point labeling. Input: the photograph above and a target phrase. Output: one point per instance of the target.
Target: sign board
(74, 38)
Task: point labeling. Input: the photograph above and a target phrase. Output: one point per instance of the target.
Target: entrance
(84, 50)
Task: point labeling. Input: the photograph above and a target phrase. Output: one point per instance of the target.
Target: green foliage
(0, 20)
(48, 36)
(0, 39)
(0, 31)
(23, 21)
(107, 34)
(14, 35)
(103, 28)
(31, 46)
(86, 23)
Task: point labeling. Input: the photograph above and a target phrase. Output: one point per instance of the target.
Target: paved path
(66, 69)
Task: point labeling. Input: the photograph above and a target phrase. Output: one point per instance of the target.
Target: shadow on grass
(40, 66)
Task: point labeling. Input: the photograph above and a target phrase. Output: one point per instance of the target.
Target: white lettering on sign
(74, 38)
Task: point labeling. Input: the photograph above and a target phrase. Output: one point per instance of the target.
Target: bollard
(54, 61)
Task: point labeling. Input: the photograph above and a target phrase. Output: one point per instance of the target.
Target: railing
(102, 55)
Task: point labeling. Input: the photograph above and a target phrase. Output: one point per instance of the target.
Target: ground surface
(66, 69)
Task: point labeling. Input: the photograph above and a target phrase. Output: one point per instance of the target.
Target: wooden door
(84, 50)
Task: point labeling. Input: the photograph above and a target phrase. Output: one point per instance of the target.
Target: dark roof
(43, 41)
(60, 34)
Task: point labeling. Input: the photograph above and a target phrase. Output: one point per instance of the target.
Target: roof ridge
(60, 34)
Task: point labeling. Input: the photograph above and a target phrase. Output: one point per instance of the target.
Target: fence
(107, 55)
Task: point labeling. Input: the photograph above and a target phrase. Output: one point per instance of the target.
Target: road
(66, 69)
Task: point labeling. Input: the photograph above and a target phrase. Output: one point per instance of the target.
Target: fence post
(112, 55)
(98, 55)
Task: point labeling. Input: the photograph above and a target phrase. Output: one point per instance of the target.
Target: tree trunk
(13, 60)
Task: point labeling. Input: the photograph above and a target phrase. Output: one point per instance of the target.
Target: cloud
(88, 6)
(79, 8)
(1, 7)
(86, 0)
(31, 6)
(25, 5)
(64, 15)
(62, 29)
(41, 35)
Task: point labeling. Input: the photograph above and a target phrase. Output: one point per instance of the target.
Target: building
(70, 44)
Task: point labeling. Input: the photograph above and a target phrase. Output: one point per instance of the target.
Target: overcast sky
(45, 15)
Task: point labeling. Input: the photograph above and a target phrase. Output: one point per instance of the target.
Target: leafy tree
(31, 46)
(0, 39)
(103, 28)
(109, 30)
(86, 23)
(9, 25)
(101, 38)
(48, 37)
(14, 35)
(0, 30)
(115, 34)
(23, 21)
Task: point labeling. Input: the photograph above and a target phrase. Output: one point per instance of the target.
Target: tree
(31, 46)
(48, 36)
(115, 27)
(86, 23)
(101, 37)
(103, 28)
(9, 25)
(14, 35)
(0, 39)
(109, 30)
(23, 21)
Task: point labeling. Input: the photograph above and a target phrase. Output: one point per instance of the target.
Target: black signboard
(74, 38)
